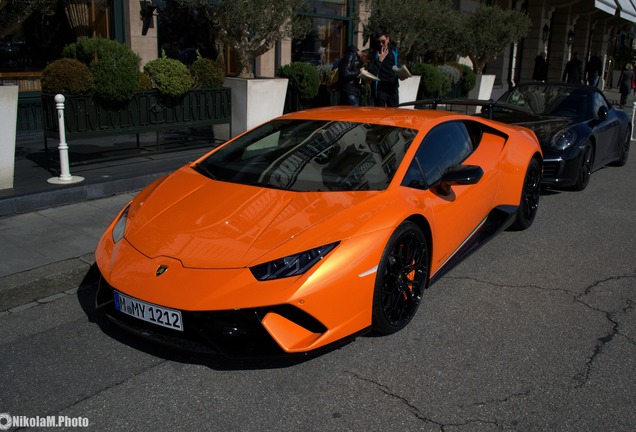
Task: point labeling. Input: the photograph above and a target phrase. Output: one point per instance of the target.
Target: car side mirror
(459, 175)
(602, 113)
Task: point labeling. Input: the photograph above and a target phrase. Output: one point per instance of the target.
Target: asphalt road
(535, 332)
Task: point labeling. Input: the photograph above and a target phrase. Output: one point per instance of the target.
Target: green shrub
(206, 73)
(433, 84)
(324, 73)
(303, 77)
(144, 82)
(453, 73)
(169, 76)
(115, 66)
(67, 76)
(468, 78)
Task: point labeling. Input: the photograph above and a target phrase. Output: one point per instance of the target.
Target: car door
(456, 214)
(606, 132)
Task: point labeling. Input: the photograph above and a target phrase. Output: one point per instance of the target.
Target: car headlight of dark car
(291, 265)
(563, 139)
(120, 226)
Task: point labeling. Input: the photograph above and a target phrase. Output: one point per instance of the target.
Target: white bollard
(65, 170)
(633, 113)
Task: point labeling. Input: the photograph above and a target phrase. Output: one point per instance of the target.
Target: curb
(73, 194)
(21, 291)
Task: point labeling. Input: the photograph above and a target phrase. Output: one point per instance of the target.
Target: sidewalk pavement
(49, 232)
(109, 166)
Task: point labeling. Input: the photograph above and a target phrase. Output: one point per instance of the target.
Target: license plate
(151, 313)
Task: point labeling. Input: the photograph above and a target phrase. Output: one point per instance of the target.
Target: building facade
(151, 27)
(603, 28)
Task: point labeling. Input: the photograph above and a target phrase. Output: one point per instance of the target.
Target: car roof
(583, 87)
(401, 117)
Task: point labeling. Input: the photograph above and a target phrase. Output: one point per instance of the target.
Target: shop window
(324, 44)
(329, 37)
(182, 31)
(26, 49)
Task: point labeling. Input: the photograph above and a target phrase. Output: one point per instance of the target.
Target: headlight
(120, 226)
(292, 265)
(563, 139)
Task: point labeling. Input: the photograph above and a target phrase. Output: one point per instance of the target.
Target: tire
(585, 168)
(529, 197)
(401, 279)
(622, 160)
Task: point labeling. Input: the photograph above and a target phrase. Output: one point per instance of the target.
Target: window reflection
(312, 156)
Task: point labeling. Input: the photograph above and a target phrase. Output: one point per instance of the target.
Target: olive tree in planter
(488, 31)
(428, 30)
(250, 28)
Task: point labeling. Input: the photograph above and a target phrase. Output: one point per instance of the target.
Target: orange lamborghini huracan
(313, 227)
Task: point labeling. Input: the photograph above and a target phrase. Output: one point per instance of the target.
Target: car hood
(543, 126)
(211, 224)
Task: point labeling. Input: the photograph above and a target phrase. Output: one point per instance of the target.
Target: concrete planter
(254, 101)
(408, 89)
(483, 87)
(9, 116)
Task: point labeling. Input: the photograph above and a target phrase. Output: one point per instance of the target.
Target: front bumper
(231, 333)
(558, 172)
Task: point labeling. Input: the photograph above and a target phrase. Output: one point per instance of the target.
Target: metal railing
(29, 113)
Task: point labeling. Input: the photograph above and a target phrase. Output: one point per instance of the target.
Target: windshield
(550, 100)
(312, 155)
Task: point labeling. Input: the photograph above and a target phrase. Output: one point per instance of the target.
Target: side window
(597, 102)
(444, 146)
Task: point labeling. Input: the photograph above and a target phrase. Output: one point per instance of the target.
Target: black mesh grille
(551, 169)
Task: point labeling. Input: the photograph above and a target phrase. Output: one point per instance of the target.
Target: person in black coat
(386, 91)
(625, 83)
(349, 75)
(593, 70)
(540, 72)
(573, 72)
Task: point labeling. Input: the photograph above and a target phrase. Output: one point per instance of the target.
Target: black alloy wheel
(529, 197)
(585, 168)
(401, 279)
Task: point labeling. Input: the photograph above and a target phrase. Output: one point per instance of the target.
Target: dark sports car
(578, 128)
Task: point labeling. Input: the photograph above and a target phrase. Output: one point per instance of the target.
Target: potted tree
(432, 29)
(488, 31)
(250, 29)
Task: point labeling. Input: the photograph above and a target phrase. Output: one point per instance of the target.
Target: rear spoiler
(487, 106)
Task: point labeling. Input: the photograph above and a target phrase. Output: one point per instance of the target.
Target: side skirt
(497, 220)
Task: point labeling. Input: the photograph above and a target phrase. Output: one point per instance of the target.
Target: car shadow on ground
(546, 191)
(87, 293)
